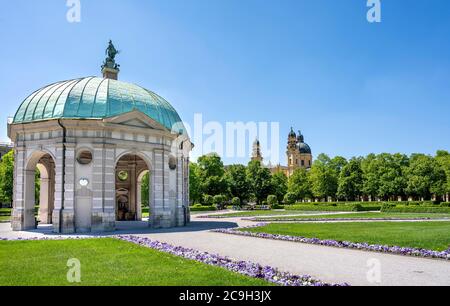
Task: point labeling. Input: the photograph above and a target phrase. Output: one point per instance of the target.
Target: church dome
(96, 98)
(304, 148)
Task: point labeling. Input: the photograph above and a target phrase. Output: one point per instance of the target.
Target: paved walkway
(324, 263)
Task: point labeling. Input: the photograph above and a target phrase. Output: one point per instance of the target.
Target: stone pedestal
(63, 221)
(103, 221)
(23, 220)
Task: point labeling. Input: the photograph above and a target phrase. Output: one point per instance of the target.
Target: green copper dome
(96, 98)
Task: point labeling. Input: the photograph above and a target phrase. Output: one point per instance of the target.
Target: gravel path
(324, 263)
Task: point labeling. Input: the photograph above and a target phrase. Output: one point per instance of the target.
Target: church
(298, 154)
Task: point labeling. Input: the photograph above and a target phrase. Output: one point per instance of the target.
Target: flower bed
(243, 267)
(342, 244)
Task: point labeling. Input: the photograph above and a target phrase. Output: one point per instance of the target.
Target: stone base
(63, 221)
(168, 219)
(103, 221)
(23, 220)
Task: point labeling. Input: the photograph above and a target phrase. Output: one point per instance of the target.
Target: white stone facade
(77, 197)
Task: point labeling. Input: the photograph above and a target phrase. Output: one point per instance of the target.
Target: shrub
(272, 200)
(416, 209)
(236, 202)
(309, 207)
(445, 204)
(357, 207)
(203, 208)
(289, 198)
(208, 200)
(219, 201)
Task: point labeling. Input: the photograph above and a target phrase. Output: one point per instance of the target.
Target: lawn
(5, 214)
(107, 262)
(364, 215)
(427, 235)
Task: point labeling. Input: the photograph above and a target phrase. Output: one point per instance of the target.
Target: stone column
(109, 189)
(139, 199)
(18, 213)
(44, 200)
(103, 210)
(133, 188)
(161, 214)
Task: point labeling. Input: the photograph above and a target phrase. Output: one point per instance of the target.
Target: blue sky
(352, 87)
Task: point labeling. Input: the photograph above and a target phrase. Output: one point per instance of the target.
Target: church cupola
(300, 137)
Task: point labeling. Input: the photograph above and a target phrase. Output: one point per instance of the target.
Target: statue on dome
(110, 61)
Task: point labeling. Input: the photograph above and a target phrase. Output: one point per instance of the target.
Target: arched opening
(39, 190)
(131, 174)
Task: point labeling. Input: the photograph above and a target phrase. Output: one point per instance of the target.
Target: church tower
(298, 152)
(256, 155)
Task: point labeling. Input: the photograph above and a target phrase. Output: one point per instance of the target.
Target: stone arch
(44, 161)
(131, 211)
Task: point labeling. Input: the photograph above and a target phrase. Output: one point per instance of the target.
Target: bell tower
(256, 155)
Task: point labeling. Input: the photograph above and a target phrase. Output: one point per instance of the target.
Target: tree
(236, 177)
(443, 159)
(280, 185)
(211, 175)
(299, 185)
(351, 180)
(289, 198)
(259, 179)
(145, 192)
(371, 182)
(390, 171)
(324, 177)
(425, 177)
(195, 193)
(272, 200)
(7, 178)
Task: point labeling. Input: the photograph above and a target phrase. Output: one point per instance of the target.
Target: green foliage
(324, 176)
(195, 192)
(414, 209)
(199, 207)
(299, 186)
(211, 175)
(290, 198)
(219, 201)
(260, 181)
(6, 177)
(279, 185)
(145, 190)
(425, 177)
(350, 181)
(208, 200)
(236, 177)
(236, 202)
(272, 200)
(333, 206)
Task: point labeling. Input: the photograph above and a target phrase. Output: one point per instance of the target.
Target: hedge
(414, 209)
(351, 207)
(203, 208)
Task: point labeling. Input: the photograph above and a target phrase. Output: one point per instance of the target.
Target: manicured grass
(5, 214)
(427, 235)
(364, 215)
(107, 262)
